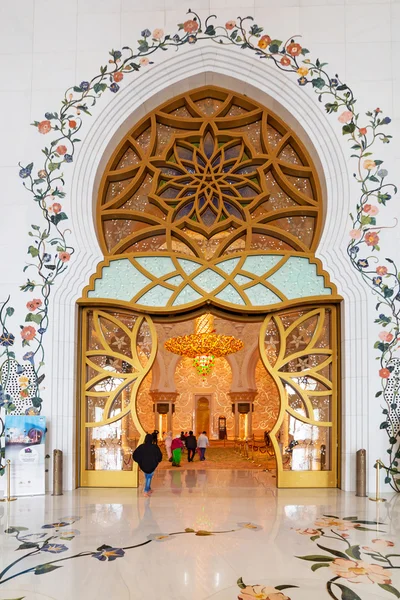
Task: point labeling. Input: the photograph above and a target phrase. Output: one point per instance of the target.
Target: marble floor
(203, 534)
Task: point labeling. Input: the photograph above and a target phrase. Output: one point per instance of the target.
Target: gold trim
(209, 298)
(194, 175)
(316, 478)
(168, 173)
(134, 378)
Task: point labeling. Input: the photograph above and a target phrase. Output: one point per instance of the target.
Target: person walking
(176, 448)
(148, 456)
(191, 445)
(202, 444)
(183, 440)
(168, 442)
(155, 436)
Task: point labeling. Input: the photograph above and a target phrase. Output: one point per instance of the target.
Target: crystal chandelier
(204, 363)
(204, 345)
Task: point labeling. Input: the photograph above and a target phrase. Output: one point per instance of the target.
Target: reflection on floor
(203, 534)
(220, 456)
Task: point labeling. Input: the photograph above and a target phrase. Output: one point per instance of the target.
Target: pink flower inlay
(345, 117)
(158, 34)
(385, 336)
(371, 210)
(359, 571)
(355, 234)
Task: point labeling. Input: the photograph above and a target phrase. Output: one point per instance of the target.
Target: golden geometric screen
(118, 351)
(206, 174)
(299, 351)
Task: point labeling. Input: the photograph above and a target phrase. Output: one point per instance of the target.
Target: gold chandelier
(205, 345)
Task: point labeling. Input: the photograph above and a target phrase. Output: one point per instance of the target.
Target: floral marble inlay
(45, 544)
(195, 530)
(350, 563)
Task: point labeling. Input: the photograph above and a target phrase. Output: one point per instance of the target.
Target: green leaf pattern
(353, 563)
(364, 132)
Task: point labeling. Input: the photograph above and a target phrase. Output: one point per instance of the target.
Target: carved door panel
(298, 348)
(118, 350)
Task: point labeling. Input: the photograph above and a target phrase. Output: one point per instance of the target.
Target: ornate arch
(208, 173)
(210, 198)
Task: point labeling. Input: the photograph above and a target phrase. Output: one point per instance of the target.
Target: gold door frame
(116, 478)
(307, 478)
(285, 478)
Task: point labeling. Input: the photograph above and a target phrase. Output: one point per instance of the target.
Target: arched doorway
(203, 414)
(211, 200)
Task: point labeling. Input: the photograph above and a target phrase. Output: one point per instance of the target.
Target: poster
(25, 448)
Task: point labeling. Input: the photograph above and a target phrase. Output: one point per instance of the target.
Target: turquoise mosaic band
(257, 280)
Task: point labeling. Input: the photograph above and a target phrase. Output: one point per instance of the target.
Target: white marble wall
(47, 46)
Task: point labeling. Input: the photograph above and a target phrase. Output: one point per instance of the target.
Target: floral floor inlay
(348, 564)
(50, 542)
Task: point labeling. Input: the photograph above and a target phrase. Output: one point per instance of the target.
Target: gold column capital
(160, 396)
(243, 396)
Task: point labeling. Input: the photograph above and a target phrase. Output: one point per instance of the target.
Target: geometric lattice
(207, 174)
(298, 354)
(298, 349)
(118, 352)
(210, 199)
(254, 280)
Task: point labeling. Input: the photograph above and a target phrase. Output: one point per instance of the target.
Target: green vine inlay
(50, 251)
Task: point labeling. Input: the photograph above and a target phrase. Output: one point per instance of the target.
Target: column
(164, 404)
(242, 403)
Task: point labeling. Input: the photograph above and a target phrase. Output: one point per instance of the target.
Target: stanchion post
(57, 472)
(361, 473)
(378, 466)
(8, 498)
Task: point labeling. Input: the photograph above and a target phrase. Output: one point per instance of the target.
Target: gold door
(210, 200)
(298, 348)
(118, 350)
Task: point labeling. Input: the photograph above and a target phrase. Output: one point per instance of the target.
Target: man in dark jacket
(148, 455)
(191, 445)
